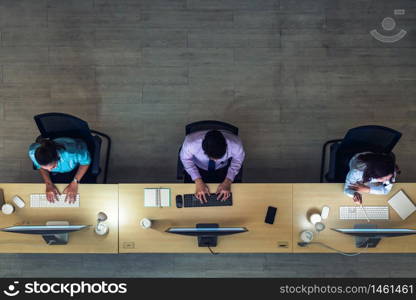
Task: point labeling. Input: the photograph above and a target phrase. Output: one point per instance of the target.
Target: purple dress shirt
(192, 155)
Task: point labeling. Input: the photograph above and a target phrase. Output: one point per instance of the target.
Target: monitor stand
(207, 240)
(366, 242)
(56, 239)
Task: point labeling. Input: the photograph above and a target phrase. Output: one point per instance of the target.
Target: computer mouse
(179, 201)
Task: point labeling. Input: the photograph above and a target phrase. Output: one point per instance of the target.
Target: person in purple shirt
(212, 157)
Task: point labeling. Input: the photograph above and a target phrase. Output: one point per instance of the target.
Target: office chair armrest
(95, 157)
(180, 170)
(321, 178)
(239, 177)
(107, 156)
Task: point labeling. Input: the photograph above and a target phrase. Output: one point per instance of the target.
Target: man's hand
(360, 188)
(224, 190)
(71, 192)
(52, 192)
(201, 190)
(357, 198)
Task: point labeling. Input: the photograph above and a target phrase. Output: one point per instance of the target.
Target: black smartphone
(270, 215)
(179, 201)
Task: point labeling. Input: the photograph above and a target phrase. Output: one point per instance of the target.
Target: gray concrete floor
(201, 265)
(290, 74)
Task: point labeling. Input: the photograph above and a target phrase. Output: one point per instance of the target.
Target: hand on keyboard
(52, 193)
(71, 192)
(358, 198)
(224, 190)
(201, 190)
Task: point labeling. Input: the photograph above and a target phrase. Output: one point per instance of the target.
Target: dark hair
(378, 165)
(214, 144)
(47, 152)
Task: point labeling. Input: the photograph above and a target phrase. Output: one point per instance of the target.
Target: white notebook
(157, 197)
(402, 204)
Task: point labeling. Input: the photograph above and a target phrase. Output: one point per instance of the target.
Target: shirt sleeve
(380, 189)
(353, 177)
(238, 156)
(31, 154)
(186, 156)
(83, 155)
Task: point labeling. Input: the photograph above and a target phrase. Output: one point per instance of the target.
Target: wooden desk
(94, 198)
(250, 202)
(309, 197)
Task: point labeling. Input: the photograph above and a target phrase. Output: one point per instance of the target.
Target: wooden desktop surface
(308, 198)
(250, 202)
(94, 198)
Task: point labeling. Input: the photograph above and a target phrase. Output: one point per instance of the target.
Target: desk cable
(212, 252)
(305, 244)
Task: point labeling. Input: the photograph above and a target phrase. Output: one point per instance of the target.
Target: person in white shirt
(212, 156)
(372, 173)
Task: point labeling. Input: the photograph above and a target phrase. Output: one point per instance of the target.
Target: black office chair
(54, 125)
(370, 138)
(206, 125)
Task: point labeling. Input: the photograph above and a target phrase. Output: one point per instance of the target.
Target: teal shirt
(75, 154)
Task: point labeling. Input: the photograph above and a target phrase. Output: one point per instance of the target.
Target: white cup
(7, 209)
(101, 229)
(319, 226)
(145, 223)
(315, 218)
(306, 236)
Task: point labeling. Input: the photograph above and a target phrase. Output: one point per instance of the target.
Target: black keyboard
(189, 200)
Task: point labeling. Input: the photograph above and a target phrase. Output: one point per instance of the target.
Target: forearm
(81, 172)
(45, 176)
(191, 169)
(235, 165)
(233, 170)
(227, 181)
(380, 189)
(348, 191)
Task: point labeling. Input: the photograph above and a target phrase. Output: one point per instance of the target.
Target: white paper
(402, 205)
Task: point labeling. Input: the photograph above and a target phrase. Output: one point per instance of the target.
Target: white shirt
(192, 155)
(355, 176)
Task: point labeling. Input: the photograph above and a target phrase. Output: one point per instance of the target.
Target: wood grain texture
(308, 198)
(250, 202)
(94, 198)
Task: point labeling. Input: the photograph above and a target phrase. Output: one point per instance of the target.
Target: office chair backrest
(370, 138)
(210, 125)
(54, 125)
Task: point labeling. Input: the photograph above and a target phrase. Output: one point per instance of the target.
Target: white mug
(101, 229)
(315, 218)
(7, 209)
(306, 236)
(145, 223)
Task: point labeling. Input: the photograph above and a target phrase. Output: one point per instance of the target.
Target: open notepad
(157, 197)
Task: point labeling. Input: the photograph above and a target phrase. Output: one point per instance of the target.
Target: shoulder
(195, 138)
(356, 163)
(65, 141)
(232, 139)
(32, 149)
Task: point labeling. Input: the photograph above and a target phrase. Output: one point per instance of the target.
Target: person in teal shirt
(61, 156)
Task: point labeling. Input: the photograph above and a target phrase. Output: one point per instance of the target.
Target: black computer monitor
(207, 234)
(368, 235)
(52, 234)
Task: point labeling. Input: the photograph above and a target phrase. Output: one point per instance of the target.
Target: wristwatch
(75, 180)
